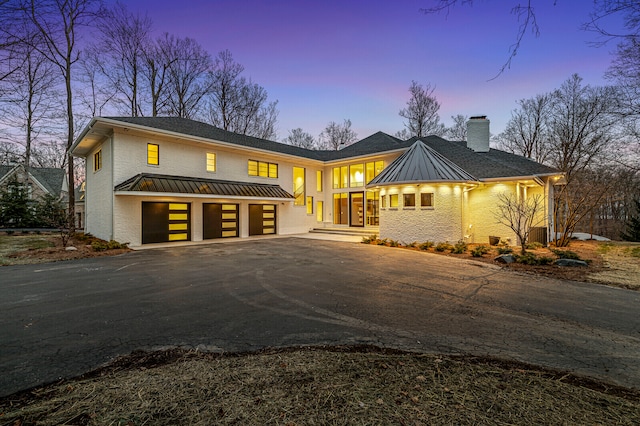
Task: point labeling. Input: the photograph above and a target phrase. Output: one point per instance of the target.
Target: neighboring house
(39, 181)
(161, 179)
(79, 194)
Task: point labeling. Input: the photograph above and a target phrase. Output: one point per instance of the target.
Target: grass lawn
(11, 244)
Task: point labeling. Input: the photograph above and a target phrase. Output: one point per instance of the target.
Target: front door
(357, 208)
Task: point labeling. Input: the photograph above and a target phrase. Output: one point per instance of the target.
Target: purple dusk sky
(332, 60)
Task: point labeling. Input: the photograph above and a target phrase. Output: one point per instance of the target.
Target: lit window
(97, 161)
(393, 200)
(262, 169)
(426, 199)
(409, 200)
(319, 211)
(341, 177)
(211, 162)
(319, 181)
(153, 154)
(373, 169)
(309, 205)
(298, 186)
(356, 175)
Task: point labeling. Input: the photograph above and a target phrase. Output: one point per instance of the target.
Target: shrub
(10, 231)
(534, 245)
(479, 251)
(528, 259)
(426, 245)
(99, 245)
(382, 242)
(393, 243)
(545, 260)
(413, 244)
(505, 250)
(459, 248)
(370, 239)
(114, 245)
(440, 247)
(566, 254)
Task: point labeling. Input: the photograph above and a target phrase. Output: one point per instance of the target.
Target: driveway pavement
(60, 320)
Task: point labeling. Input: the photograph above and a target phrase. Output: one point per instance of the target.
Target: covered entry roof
(148, 182)
(421, 163)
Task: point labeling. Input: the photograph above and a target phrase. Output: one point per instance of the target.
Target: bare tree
(520, 214)
(157, 58)
(120, 47)
(402, 134)
(298, 137)
(581, 136)
(237, 104)
(28, 104)
(187, 72)
(458, 131)
(421, 112)
(526, 132)
(337, 136)
(59, 24)
(94, 93)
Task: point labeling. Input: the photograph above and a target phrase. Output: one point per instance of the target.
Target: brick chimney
(478, 133)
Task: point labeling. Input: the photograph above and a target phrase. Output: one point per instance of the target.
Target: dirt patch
(22, 249)
(321, 386)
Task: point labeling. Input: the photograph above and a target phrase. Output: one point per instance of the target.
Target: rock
(505, 258)
(571, 262)
(70, 248)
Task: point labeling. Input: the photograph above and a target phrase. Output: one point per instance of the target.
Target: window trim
(427, 206)
(404, 200)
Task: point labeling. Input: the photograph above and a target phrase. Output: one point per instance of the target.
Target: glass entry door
(357, 208)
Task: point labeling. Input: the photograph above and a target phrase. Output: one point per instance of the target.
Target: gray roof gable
(52, 179)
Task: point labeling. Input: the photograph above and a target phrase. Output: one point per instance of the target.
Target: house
(164, 179)
(39, 181)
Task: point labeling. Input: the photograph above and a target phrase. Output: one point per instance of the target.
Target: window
(298, 186)
(97, 161)
(262, 169)
(319, 211)
(153, 154)
(373, 169)
(319, 181)
(393, 200)
(426, 199)
(340, 177)
(309, 205)
(356, 175)
(409, 200)
(211, 162)
(383, 201)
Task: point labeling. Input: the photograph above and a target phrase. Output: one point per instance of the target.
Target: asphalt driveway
(60, 320)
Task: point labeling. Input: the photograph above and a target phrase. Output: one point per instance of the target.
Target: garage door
(262, 219)
(164, 222)
(220, 220)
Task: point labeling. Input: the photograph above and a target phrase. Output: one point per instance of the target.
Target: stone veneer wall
(442, 222)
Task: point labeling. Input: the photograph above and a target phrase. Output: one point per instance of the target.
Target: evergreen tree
(50, 212)
(15, 209)
(632, 231)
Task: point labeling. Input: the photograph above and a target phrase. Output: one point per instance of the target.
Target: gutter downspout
(113, 193)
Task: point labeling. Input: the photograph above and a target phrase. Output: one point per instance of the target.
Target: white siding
(99, 194)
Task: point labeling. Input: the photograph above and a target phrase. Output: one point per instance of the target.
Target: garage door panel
(220, 220)
(164, 222)
(262, 219)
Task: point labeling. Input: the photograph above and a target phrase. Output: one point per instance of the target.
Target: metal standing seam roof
(147, 182)
(421, 164)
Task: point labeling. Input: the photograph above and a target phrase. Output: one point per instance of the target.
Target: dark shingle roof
(148, 182)
(482, 165)
(49, 177)
(421, 164)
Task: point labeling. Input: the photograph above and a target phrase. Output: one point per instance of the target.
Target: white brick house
(158, 179)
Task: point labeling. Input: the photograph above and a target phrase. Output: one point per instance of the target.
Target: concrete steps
(362, 232)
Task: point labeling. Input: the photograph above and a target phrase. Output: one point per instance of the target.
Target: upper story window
(97, 161)
(319, 182)
(341, 177)
(299, 187)
(211, 162)
(356, 175)
(409, 200)
(393, 200)
(153, 154)
(373, 169)
(263, 169)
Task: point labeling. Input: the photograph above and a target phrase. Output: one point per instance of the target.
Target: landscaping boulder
(571, 262)
(505, 258)
(70, 248)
